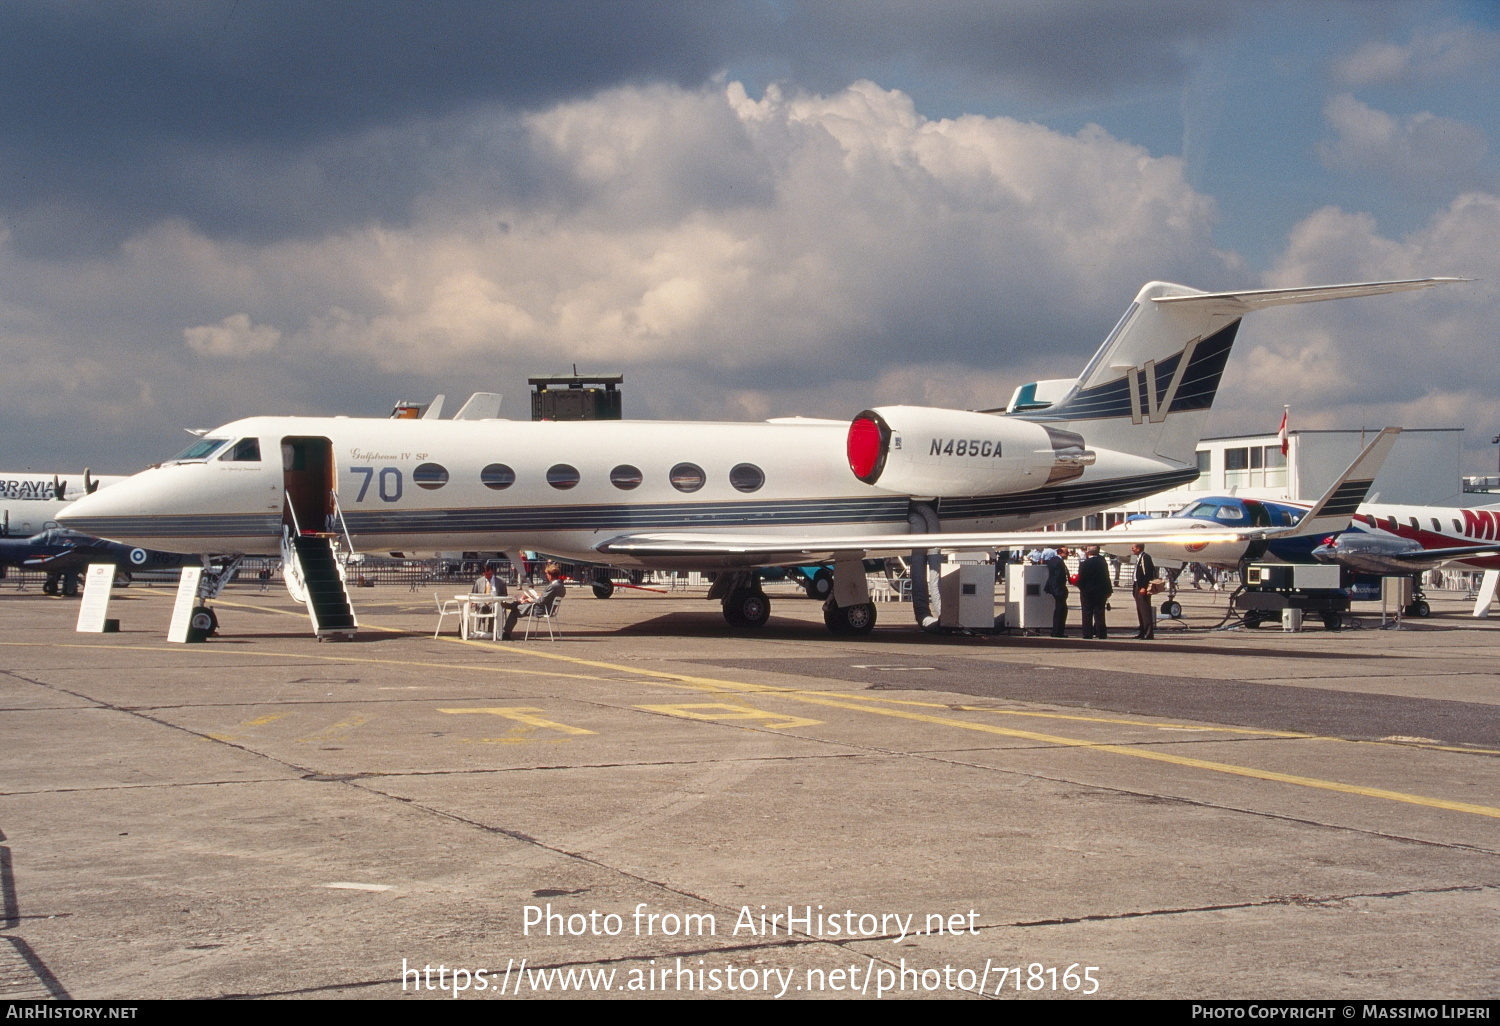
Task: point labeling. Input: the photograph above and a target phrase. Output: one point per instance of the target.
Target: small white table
(473, 614)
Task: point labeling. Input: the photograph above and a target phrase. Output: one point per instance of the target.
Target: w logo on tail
(1141, 383)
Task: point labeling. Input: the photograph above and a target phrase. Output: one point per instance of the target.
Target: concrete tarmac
(656, 804)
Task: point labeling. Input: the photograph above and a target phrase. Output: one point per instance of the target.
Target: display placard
(94, 607)
(187, 599)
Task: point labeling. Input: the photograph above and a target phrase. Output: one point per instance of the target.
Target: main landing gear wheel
(819, 585)
(49, 586)
(1171, 609)
(70, 585)
(604, 588)
(746, 608)
(858, 619)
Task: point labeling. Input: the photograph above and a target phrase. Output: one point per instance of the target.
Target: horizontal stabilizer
(1257, 299)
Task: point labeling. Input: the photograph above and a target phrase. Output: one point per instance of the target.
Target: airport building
(1423, 469)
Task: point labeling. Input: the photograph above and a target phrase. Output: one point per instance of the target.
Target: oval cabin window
(626, 477)
(747, 477)
(562, 476)
(687, 477)
(497, 476)
(430, 475)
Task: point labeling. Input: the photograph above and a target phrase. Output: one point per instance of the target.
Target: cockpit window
(246, 450)
(1202, 511)
(202, 449)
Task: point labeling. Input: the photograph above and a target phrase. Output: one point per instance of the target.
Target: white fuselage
(560, 487)
(30, 501)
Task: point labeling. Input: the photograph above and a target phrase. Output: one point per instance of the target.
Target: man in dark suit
(1093, 592)
(539, 604)
(1145, 573)
(1057, 587)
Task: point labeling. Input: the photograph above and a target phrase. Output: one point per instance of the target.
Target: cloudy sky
(752, 208)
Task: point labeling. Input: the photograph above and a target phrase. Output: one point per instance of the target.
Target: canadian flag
(1281, 434)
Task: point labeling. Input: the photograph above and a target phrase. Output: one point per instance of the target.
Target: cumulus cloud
(802, 233)
(232, 337)
(1423, 359)
(1424, 152)
(272, 118)
(1429, 54)
(795, 252)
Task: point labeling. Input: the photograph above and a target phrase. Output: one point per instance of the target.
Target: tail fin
(1332, 512)
(1159, 369)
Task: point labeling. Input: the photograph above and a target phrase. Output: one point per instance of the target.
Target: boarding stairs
(314, 576)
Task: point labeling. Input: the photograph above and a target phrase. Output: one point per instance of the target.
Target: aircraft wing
(1329, 515)
(756, 549)
(1453, 552)
(44, 562)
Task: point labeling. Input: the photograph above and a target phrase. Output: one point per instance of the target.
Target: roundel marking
(138, 557)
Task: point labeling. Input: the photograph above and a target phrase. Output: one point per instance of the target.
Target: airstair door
(308, 478)
(314, 575)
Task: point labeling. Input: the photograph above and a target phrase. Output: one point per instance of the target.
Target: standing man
(1057, 587)
(1093, 592)
(1145, 573)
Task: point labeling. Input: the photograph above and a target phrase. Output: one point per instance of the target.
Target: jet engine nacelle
(918, 450)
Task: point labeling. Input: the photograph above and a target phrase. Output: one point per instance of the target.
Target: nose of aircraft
(1328, 551)
(119, 512)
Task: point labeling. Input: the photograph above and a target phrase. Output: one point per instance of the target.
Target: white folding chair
(548, 616)
(445, 609)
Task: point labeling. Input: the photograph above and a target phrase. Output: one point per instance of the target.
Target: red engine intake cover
(869, 439)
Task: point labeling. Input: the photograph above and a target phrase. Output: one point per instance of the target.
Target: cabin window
(1457, 527)
(202, 449)
(1414, 525)
(497, 476)
(687, 477)
(246, 450)
(747, 477)
(1435, 525)
(430, 476)
(562, 477)
(1229, 513)
(626, 477)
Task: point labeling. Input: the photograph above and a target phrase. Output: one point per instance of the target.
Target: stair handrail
(338, 511)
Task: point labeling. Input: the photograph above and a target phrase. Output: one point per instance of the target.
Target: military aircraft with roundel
(726, 497)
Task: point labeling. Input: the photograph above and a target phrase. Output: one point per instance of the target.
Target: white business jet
(723, 496)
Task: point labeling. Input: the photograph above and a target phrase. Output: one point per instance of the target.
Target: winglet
(1331, 513)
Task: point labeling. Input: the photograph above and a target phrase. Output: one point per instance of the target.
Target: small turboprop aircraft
(65, 555)
(30, 501)
(1313, 522)
(723, 496)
